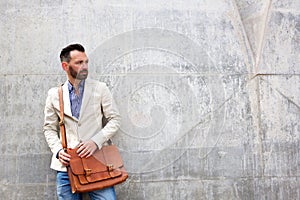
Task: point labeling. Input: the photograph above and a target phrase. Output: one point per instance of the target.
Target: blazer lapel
(88, 91)
(66, 96)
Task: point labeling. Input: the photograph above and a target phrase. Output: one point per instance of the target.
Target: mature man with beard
(86, 101)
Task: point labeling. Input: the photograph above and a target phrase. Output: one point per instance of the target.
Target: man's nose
(84, 65)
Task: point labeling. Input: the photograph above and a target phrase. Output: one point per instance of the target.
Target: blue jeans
(64, 191)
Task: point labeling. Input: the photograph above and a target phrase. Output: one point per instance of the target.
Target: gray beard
(78, 75)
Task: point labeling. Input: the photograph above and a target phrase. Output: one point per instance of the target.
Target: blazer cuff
(58, 153)
(99, 139)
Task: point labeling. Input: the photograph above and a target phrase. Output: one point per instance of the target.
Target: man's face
(78, 65)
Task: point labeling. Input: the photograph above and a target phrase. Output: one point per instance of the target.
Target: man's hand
(86, 149)
(64, 158)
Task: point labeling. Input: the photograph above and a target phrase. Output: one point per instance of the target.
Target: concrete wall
(209, 92)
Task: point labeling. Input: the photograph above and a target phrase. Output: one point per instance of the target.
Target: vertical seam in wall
(257, 61)
(260, 133)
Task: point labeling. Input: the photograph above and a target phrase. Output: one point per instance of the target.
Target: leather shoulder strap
(61, 122)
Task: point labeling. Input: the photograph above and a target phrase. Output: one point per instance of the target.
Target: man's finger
(83, 153)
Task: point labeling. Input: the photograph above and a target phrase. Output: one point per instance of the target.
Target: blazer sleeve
(51, 123)
(112, 115)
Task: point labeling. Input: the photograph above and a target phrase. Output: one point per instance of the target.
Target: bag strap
(61, 122)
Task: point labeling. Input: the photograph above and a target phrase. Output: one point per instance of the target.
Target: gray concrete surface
(208, 90)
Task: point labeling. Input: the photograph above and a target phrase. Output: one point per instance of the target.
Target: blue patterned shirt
(76, 99)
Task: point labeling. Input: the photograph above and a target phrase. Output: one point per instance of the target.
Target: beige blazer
(88, 126)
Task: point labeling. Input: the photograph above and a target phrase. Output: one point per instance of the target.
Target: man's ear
(65, 66)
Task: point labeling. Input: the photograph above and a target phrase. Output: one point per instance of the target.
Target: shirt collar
(71, 88)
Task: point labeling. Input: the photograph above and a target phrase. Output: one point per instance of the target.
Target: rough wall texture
(209, 92)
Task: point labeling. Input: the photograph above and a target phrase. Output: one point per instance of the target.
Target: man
(86, 101)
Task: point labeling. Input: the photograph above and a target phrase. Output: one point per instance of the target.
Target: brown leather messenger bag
(101, 170)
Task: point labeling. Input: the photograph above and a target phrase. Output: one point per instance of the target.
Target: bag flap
(82, 166)
(75, 162)
(98, 162)
(76, 166)
(92, 165)
(109, 155)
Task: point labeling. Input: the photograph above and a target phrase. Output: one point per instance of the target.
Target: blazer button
(79, 124)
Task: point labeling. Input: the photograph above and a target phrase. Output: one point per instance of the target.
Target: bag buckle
(88, 172)
(61, 122)
(110, 167)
